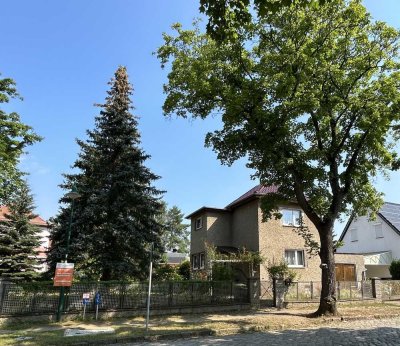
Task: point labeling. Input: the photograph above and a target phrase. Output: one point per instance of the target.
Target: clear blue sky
(63, 53)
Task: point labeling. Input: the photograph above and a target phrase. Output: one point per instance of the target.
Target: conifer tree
(19, 238)
(114, 220)
(175, 231)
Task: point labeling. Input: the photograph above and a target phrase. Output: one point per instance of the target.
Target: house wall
(216, 230)
(357, 260)
(274, 239)
(367, 241)
(245, 226)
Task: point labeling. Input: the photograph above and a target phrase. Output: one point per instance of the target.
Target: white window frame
(353, 234)
(198, 225)
(378, 234)
(195, 261)
(296, 256)
(294, 223)
(202, 260)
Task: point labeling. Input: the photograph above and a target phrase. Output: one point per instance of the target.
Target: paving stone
(385, 332)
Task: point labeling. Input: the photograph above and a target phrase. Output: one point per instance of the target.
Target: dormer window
(291, 217)
(199, 223)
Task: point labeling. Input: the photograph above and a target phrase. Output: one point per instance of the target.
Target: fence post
(253, 286)
(3, 290)
(312, 289)
(274, 292)
(170, 293)
(350, 290)
(362, 290)
(377, 288)
(338, 289)
(232, 297)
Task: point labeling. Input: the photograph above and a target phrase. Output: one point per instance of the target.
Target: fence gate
(266, 293)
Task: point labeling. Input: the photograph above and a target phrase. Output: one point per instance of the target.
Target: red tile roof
(256, 191)
(38, 221)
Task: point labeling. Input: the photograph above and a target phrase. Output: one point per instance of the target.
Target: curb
(156, 337)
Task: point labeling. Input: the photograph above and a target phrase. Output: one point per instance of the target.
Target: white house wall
(367, 241)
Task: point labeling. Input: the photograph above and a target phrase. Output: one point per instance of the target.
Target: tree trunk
(327, 304)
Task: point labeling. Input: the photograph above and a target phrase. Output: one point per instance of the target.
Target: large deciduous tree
(309, 96)
(226, 16)
(14, 137)
(19, 238)
(114, 220)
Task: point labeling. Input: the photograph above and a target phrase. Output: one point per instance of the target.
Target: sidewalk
(175, 327)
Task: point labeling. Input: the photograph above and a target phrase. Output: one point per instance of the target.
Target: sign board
(85, 301)
(64, 274)
(97, 298)
(86, 296)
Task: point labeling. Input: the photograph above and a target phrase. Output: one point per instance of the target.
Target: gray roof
(390, 212)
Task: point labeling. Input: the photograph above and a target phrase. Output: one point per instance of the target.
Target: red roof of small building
(256, 191)
(38, 221)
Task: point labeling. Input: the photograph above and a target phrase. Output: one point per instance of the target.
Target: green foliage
(114, 221)
(394, 269)
(281, 271)
(19, 239)
(222, 272)
(309, 95)
(243, 255)
(14, 138)
(167, 272)
(226, 17)
(175, 233)
(184, 270)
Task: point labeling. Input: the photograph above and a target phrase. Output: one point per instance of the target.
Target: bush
(394, 269)
(221, 272)
(184, 270)
(166, 272)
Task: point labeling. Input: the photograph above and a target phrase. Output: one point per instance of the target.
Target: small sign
(85, 301)
(64, 274)
(86, 296)
(97, 298)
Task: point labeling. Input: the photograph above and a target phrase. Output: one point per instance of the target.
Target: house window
(291, 217)
(195, 262)
(294, 258)
(353, 234)
(199, 223)
(378, 230)
(202, 260)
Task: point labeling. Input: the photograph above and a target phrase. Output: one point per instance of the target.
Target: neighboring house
(377, 240)
(176, 258)
(240, 225)
(43, 232)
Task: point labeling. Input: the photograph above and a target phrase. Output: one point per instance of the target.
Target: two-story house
(377, 240)
(43, 233)
(240, 225)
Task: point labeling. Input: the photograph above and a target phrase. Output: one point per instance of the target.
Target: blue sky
(63, 53)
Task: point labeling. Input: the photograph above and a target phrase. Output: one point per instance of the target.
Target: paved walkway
(371, 332)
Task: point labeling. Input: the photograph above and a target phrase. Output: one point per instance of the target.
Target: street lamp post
(72, 195)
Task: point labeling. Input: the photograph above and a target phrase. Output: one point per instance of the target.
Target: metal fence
(18, 299)
(308, 291)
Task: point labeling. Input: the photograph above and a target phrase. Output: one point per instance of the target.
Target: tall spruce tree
(19, 238)
(114, 220)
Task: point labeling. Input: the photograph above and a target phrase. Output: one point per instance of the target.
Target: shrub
(184, 270)
(394, 269)
(166, 272)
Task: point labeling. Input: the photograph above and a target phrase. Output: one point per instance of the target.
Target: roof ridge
(391, 203)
